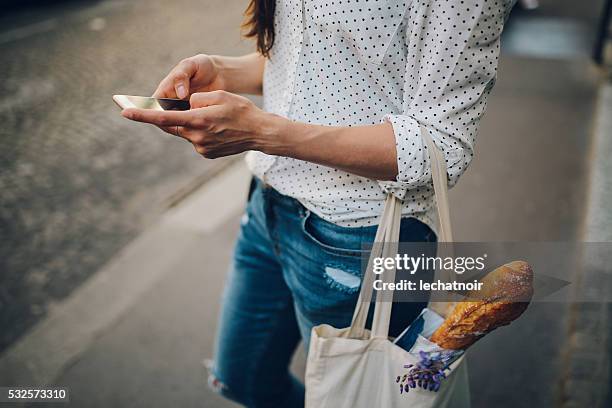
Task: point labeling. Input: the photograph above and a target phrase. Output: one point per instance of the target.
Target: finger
(181, 85)
(200, 149)
(165, 89)
(184, 133)
(176, 131)
(185, 70)
(159, 118)
(203, 99)
(176, 83)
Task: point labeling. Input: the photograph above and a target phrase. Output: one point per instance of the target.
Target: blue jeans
(291, 271)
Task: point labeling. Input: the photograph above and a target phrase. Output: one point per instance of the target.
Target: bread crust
(505, 294)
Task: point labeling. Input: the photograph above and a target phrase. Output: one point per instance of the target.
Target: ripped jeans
(291, 271)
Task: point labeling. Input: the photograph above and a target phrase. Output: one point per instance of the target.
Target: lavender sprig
(429, 372)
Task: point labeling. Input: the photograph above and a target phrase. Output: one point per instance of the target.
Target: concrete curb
(586, 379)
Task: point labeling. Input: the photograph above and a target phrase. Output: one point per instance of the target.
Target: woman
(346, 84)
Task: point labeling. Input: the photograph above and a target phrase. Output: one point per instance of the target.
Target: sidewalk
(151, 357)
(135, 334)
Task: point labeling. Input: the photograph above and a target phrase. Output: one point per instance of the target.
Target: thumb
(181, 86)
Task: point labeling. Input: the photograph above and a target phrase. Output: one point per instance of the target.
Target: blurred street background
(115, 238)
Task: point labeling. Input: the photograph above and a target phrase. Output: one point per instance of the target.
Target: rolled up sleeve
(450, 71)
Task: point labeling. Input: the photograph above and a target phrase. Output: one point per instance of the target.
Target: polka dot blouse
(359, 62)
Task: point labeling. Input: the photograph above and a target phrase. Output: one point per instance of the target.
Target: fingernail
(180, 91)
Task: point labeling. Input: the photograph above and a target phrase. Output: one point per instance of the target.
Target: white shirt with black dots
(358, 62)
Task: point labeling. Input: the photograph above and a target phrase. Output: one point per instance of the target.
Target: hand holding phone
(218, 124)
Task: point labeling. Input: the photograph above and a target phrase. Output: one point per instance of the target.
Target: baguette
(504, 296)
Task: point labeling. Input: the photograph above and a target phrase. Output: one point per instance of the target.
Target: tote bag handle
(386, 245)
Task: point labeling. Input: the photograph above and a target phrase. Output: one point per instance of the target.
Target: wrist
(273, 136)
(287, 138)
(219, 67)
(240, 74)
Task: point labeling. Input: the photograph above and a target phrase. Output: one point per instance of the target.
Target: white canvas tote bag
(357, 368)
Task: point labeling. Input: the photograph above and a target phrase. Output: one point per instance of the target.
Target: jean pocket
(336, 240)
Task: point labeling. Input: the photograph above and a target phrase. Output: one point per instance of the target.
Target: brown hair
(259, 24)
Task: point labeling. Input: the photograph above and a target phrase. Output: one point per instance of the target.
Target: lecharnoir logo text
(414, 264)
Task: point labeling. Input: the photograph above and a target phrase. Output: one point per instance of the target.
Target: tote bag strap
(440, 184)
(386, 245)
(384, 298)
(438, 171)
(365, 295)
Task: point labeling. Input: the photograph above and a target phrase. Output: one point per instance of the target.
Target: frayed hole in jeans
(213, 382)
(343, 278)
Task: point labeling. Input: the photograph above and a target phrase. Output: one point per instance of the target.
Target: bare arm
(222, 123)
(241, 74)
(367, 151)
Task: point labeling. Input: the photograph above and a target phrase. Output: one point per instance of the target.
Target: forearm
(367, 151)
(241, 74)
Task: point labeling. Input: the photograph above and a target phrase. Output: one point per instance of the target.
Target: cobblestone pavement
(77, 181)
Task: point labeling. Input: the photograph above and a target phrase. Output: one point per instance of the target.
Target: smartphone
(146, 102)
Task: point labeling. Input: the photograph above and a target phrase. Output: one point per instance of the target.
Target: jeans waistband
(274, 197)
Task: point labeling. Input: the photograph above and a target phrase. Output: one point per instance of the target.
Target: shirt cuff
(412, 162)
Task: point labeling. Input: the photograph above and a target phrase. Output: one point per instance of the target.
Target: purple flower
(429, 372)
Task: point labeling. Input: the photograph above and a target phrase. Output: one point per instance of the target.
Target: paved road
(78, 182)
